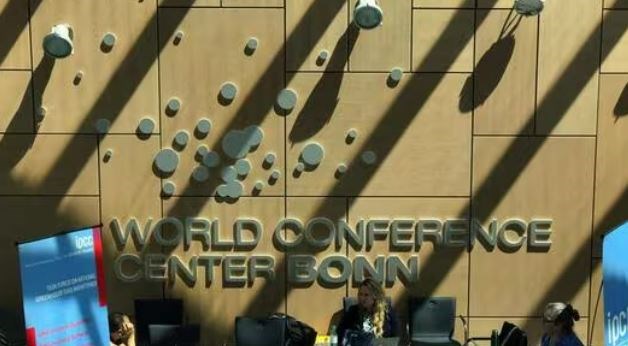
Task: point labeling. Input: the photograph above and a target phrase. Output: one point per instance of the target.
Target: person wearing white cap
(558, 321)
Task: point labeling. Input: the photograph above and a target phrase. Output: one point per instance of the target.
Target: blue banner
(64, 291)
(615, 271)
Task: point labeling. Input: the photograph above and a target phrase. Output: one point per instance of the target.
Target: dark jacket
(352, 319)
(570, 339)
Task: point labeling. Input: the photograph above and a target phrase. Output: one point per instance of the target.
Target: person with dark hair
(558, 322)
(121, 330)
(372, 317)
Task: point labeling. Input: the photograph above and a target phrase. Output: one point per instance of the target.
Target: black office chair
(155, 311)
(260, 331)
(174, 335)
(432, 321)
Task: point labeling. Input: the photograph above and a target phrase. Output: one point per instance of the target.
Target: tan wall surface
(495, 117)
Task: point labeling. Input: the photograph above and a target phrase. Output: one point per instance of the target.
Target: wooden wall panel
(494, 3)
(194, 71)
(568, 51)
(361, 101)
(252, 3)
(482, 327)
(425, 166)
(329, 299)
(120, 86)
(556, 184)
(611, 188)
(431, 28)
(615, 4)
(387, 46)
(313, 26)
(444, 3)
(443, 271)
(129, 189)
(31, 165)
(16, 110)
(14, 41)
(53, 214)
(189, 3)
(215, 306)
(505, 74)
(615, 50)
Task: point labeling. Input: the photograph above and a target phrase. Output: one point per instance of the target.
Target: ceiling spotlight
(529, 7)
(368, 14)
(58, 43)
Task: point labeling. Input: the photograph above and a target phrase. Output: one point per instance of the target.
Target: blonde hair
(380, 306)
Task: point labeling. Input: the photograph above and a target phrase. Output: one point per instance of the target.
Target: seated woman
(121, 330)
(372, 315)
(558, 321)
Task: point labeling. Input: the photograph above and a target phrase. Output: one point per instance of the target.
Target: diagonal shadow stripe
(11, 33)
(508, 168)
(613, 217)
(412, 98)
(510, 164)
(119, 88)
(251, 112)
(409, 96)
(114, 77)
(127, 78)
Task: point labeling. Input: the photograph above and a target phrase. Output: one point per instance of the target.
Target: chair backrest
(511, 335)
(432, 317)
(260, 331)
(172, 334)
(156, 311)
(348, 302)
(190, 335)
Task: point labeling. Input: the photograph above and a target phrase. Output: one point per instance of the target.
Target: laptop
(393, 341)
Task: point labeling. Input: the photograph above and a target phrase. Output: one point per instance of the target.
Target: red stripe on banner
(100, 271)
(31, 337)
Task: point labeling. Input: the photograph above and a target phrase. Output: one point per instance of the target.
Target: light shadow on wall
(440, 268)
(13, 147)
(322, 102)
(560, 97)
(491, 67)
(508, 168)
(11, 33)
(252, 112)
(405, 107)
(117, 92)
(564, 286)
(621, 107)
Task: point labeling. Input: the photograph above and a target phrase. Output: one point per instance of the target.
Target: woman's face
(366, 299)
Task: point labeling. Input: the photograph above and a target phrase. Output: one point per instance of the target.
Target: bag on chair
(297, 332)
(511, 335)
